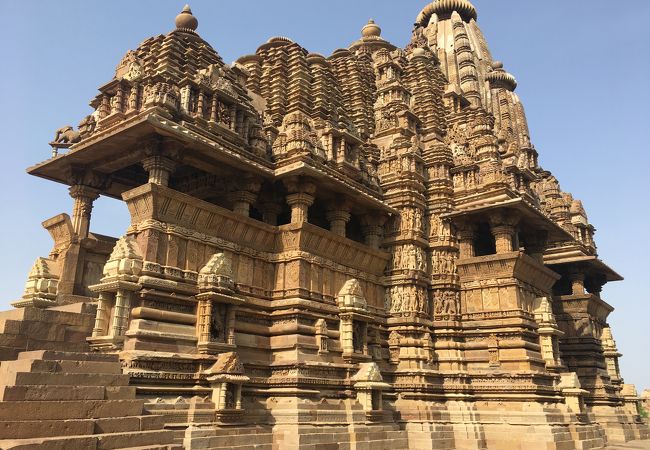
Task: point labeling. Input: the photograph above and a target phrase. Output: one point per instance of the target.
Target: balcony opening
(484, 243)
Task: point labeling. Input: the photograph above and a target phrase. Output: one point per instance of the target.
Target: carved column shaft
(238, 396)
(83, 196)
(372, 228)
(338, 218)
(230, 324)
(242, 201)
(102, 315)
(346, 336)
(299, 203)
(466, 239)
(159, 168)
(270, 212)
(577, 283)
(503, 237)
(122, 309)
(372, 235)
(536, 245)
(205, 315)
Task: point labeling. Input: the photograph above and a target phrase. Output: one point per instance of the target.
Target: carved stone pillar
(466, 236)
(159, 168)
(577, 283)
(231, 316)
(594, 284)
(503, 228)
(270, 212)
(161, 157)
(204, 319)
(372, 229)
(300, 198)
(322, 337)
(299, 203)
(338, 218)
(83, 196)
(242, 201)
(245, 194)
(536, 244)
(103, 313)
(122, 310)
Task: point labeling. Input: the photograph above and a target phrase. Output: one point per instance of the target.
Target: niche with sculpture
(117, 289)
(355, 321)
(217, 306)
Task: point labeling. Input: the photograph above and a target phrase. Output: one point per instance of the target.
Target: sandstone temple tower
(350, 251)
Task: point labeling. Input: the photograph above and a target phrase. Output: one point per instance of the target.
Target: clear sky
(582, 68)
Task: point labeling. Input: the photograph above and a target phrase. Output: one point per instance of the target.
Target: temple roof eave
(511, 200)
(331, 181)
(573, 255)
(112, 150)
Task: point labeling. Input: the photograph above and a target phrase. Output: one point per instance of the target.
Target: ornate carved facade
(352, 250)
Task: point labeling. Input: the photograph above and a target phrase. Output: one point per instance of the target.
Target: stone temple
(346, 252)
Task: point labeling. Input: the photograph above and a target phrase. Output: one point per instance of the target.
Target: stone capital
(242, 201)
(300, 198)
(89, 178)
(83, 193)
(161, 162)
(338, 218)
(299, 203)
(296, 185)
(503, 219)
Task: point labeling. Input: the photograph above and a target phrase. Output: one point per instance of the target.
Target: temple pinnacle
(371, 29)
(185, 20)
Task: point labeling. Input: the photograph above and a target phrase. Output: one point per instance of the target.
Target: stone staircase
(57, 400)
(62, 328)
(307, 437)
(231, 438)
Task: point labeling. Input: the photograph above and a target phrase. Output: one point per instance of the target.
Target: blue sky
(582, 68)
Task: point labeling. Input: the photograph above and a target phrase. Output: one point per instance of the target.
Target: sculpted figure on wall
(446, 303)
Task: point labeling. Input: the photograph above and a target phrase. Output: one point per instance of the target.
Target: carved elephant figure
(66, 135)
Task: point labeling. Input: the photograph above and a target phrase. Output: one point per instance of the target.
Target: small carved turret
(41, 286)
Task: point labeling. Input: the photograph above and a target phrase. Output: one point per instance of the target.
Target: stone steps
(223, 443)
(73, 400)
(107, 441)
(53, 355)
(67, 366)
(215, 437)
(66, 379)
(13, 429)
(62, 328)
(76, 409)
(65, 392)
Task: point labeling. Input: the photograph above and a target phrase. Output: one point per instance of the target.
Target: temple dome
(186, 21)
(371, 29)
(444, 9)
(371, 38)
